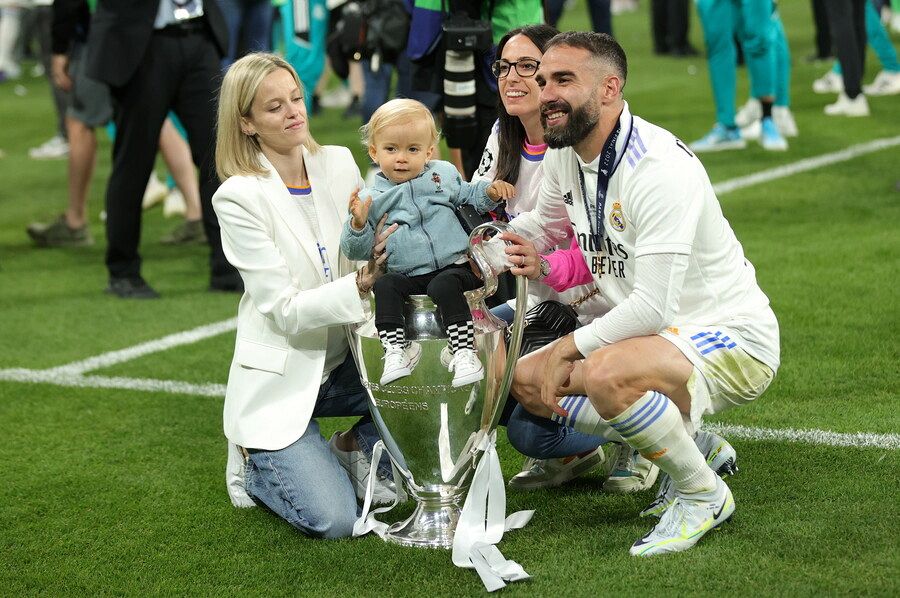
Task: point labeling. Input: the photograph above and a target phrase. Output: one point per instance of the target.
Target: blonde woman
(281, 208)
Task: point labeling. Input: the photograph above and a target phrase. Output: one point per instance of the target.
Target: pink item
(567, 268)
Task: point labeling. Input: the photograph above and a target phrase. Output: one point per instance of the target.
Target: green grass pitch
(121, 492)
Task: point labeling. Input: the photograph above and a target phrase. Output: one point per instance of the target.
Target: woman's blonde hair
(237, 153)
(396, 112)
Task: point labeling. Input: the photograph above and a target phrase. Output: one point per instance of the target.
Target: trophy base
(430, 526)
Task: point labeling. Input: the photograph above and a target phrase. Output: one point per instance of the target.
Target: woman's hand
(500, 190)
(523, 256)
(359, 209)
(372, 271)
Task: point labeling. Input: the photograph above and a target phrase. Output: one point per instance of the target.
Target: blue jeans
(538, 437)
(253, 19)
(304, 483)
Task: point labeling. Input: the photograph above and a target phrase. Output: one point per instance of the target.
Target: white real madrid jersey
(659, 200)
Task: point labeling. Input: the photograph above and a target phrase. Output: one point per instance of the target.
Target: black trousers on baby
(444, 286)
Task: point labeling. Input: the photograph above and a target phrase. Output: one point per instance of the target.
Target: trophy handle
(490, 285)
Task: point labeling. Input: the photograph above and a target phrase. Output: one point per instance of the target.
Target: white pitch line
(779, 172)
(788, 435)
(817, 437)
(144, 384)
(161, 344)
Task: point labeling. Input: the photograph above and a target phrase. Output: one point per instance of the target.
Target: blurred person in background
(887, 81)
(156, 57)
(752, 22)
(249, 27)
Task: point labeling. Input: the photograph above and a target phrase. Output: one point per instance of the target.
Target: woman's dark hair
(511, 133)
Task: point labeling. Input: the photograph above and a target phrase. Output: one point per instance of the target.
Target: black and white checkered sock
(394, 336)
(462, 336)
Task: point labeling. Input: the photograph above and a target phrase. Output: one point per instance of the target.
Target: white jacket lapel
(283, 204)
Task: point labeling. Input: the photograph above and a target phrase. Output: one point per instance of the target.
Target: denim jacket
(429, 236)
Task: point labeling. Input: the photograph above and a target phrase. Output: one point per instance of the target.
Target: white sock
(585, 419)
(653, 426)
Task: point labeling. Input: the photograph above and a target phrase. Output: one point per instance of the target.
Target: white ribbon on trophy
(482, 521)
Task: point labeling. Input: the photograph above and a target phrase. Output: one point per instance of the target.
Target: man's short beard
(581, 122)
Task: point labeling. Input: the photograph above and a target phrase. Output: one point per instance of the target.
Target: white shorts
(724, 375)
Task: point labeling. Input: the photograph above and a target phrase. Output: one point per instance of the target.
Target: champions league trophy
(431, 430)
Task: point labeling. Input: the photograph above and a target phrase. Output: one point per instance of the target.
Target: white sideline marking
(817, 437)
(789, 435)
(803, 165)
(145, 384)
(162, 344)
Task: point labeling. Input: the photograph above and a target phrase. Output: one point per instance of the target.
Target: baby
(427, 252)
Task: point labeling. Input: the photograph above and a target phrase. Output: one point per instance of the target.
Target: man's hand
(59, 72)
(522, 255)
(557, 369)
(500, 190)
(359, 209)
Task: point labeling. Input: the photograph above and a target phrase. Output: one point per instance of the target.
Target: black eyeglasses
(526, 67)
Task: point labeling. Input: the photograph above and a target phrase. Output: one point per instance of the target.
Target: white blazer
(287, 306)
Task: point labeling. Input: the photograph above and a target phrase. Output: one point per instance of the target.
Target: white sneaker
(53, 149)
(718, 139)
(154, 193)
(174, 204)
(784, 120)
(357, 465)
(630, 472)
(466, 368)
(770, 137)
(844, 106)
(686, 521)
(339, 97)
(399, 361)
(721, 458)
(752, 131)
(895, 22)
(886, 83)
(750, 113)
(830, 82)
(550, 473)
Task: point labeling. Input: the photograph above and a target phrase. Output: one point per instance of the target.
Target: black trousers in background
(823, 31)
(444, 286)
(180, 71)
(847, 21)
(669, 21)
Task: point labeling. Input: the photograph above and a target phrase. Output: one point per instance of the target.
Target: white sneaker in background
(830, 82)
(174, 204)
(752, 131)
(750, 113)
(770, 137)
(784, 120)
(895, 22)
(688, 519)
(53, 149)
(630, 472)
(886, 83)
(844, 106)
(339, 97)
(154, 193)
(550, 473)
(466, 368)
(400, 361)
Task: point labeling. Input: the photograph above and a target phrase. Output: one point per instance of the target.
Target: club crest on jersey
(616, 217)
(436, 178)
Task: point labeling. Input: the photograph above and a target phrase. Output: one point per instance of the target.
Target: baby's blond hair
(396, 112)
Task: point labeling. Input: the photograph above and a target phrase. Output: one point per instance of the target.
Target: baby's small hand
(359, 209)
(501, 190)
